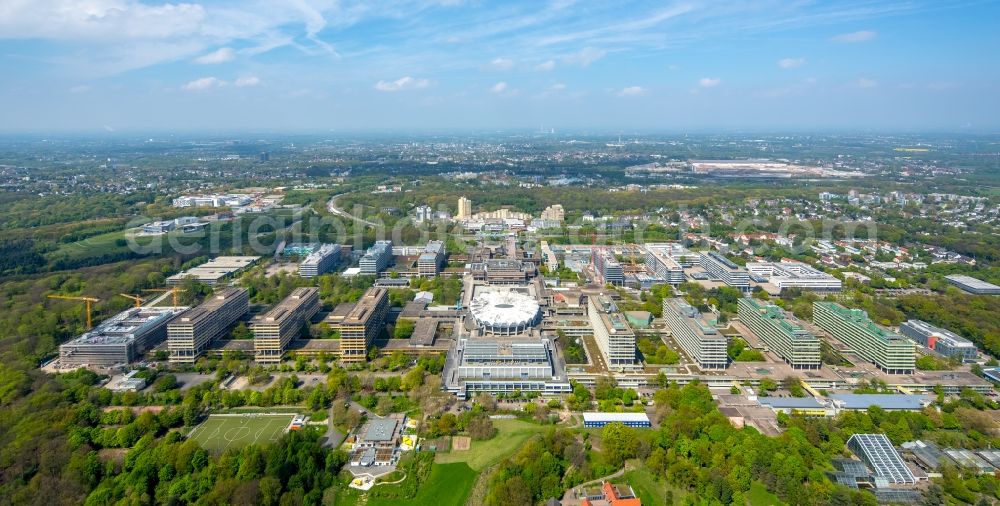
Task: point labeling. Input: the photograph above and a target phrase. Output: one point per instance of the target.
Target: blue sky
(125, 65)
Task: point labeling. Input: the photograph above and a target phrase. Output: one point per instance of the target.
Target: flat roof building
(795, 275)
(940, 340)
(973, 285)
(700, 339)
(595, 419)
(283, 323)
(608, 267)
(614, 336)
(667, 261)
(211, 272)
(121, 339)
(492, 365)
(429, 262)
(498, 271)
(376, 258)
(877, 452)
(794, 344)
(888, 402)
(890, 352)
(320, 261)
(193, 330)
(359, 328)
(723, 269)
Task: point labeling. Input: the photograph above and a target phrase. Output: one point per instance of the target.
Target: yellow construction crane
(173, 291)
(87, 300)
(138, 300)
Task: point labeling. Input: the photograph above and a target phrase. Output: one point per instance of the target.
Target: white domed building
(504, 313)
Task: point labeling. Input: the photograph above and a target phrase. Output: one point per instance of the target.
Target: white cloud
(557, 87)
(246, 82)
(709, 82)
(221, 55)
(403, 83)
(502, 64)
(866, 83)
(585, 56)
(790, 63)
(859, 36)
(631, 91)
(546, 66)
(204, 83)
(499, 87)
(83, 88)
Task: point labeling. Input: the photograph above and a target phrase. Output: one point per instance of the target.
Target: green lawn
(447, 485)
(220, 432)
(759, 496)
(653, 492)
(511, 434)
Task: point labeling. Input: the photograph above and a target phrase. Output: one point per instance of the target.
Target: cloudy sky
(271, 65)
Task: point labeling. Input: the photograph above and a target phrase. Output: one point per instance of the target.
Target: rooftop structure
(193, 330)
(429, 262)
(877, 452)
(491, 365)
(940, 340)
(498, 271)
(890, 352)
(283, 323)
(121, 339)
(725, 270)
(795, 345)
(504, 312)
(594, 419)
(973, 285)
(608, 267)
(614, 336)
(377, 258)
(320, 261)
(700, 340)
(794, 275)
(888, 402)
(362, 324)
(214, 270)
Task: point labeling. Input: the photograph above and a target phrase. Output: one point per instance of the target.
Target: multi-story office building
(464, 209)
(490, 365)
(377, 258)
(723, 269)
(608, 267)
(611, 331)
(794, 344)
(700, 339)
(795, 275)
(120, 339)
(499, 271)
(666, 261)
(940, 340)
(362, 325)
(891, 352)
(277, 328)
(193, 330)
(429, 262)
(320, 261)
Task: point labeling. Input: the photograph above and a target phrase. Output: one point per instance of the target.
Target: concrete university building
(608, 267)
(280, 325)
(193, 330)
(611, 331)
(492, 365)
(362, 325)
(795, 275)
(973, 285)
(320, 261)
(721, 268)
(700, 339)
(940, 340)
(791, 342)
(429, 262)
(377, 258)
(668, 260)
(890, 352)
(120, 339)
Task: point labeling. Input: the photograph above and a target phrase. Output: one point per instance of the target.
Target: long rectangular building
(120, 339)
(794, 344)
(193, 330)
(320, 261)
(608, 267)
(940, 340)
(890, 352)
(702, 342)
(611, 331)
(723, 269)
(283, 323)
(376, 258)
(212, 271)
(795, 275)
(973, 285)
(667, 261)
(429, 262)
(359, 328)
(488, 365)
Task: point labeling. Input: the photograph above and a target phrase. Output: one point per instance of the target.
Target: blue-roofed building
(626, 419)
(796, 405)
(889, 402)
(992, 374)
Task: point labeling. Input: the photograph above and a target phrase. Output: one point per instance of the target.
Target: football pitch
(222, 431)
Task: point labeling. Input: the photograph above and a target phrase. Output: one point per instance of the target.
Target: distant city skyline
(118, 66)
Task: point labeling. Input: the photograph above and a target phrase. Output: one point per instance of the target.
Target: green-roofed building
(891, 352)
(794, 344)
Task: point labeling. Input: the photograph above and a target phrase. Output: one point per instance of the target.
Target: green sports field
(222, 431)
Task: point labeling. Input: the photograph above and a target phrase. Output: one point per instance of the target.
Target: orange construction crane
(87, 300)
(173, 291)
(138, 300)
